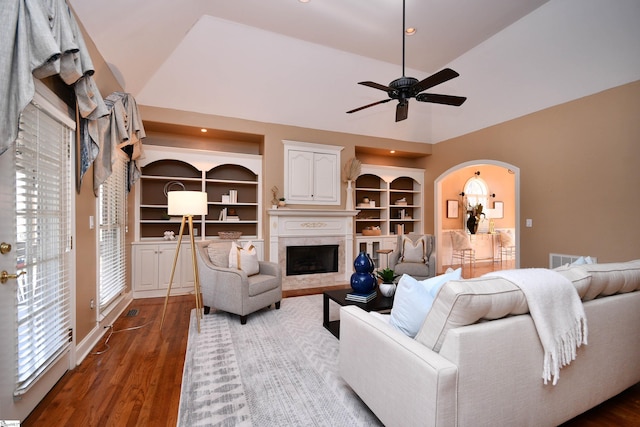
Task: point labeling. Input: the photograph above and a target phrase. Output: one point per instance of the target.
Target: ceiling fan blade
(441, 99)
(376, 86)
(368, 105)
(402, 111)
(434, 80)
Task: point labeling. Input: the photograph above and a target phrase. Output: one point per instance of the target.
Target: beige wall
(579, 174)
(86, 243)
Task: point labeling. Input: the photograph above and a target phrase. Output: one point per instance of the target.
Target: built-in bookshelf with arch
(232, 182)
(390, 198)
(240, 212)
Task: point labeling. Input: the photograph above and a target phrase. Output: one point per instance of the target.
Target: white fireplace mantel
(311, 212)
(292, 224)
(310, 222)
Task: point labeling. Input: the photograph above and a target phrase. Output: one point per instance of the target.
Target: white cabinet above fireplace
(312, 173)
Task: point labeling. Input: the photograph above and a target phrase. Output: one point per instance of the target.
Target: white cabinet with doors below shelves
(153, 263)
(373, 245)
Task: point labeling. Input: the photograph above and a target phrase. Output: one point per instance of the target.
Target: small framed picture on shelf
(452, 209)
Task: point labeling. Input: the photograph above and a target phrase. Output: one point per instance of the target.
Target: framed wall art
(452, 209)
(498, 210)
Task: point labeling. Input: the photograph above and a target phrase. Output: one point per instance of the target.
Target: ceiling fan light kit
(405, 88)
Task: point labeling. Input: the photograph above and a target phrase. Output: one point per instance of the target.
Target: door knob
(5, 248)
(4, 276)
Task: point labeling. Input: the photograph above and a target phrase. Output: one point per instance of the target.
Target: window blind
(43, 245)
(112, 226)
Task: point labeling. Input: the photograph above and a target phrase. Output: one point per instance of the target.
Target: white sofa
(477, 360)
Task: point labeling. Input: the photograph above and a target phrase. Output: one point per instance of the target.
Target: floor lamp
(187, 204)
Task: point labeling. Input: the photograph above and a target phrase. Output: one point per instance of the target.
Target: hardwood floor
(135, 381)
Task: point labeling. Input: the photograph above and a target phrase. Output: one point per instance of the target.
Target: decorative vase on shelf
(472, 224)
(362, 281)
(349, 200)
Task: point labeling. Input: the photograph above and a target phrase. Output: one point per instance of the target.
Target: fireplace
(312, 259)
(312, 228)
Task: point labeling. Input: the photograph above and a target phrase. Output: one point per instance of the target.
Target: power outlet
(528, 222)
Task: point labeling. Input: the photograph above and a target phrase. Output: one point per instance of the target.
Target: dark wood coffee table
(380, 303)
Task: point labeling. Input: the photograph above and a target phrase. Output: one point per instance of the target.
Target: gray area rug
(280, 369)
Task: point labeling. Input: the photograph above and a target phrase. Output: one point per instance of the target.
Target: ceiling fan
(405, 88)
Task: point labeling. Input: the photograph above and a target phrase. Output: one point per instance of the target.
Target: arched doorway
(502, 205)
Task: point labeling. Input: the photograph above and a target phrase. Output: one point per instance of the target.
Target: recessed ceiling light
(304, 1)
(203, 130)
(392, 151)
(410, 31)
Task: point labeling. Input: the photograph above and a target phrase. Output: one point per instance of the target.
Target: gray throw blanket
(557, 313)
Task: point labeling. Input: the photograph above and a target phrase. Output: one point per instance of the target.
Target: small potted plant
(282, 202)
(387, 287)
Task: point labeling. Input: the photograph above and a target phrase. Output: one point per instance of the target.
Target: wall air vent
(557, 260)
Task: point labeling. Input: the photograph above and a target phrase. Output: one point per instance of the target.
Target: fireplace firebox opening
(312, 259)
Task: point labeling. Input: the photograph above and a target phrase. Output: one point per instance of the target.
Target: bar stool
(461, 248)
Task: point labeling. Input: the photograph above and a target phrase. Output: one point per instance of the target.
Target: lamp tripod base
(196, 280)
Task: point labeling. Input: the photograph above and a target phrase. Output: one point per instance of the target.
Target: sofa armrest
(401, 381)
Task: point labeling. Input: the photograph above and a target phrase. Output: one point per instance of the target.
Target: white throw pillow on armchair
(244, 258)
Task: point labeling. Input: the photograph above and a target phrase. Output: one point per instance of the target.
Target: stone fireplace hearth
(310, 227)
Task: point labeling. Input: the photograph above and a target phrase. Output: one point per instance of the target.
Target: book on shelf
(232, 218)
(358, 297)
(223, 215)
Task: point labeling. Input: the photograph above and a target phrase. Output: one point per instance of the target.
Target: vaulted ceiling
(294, 63)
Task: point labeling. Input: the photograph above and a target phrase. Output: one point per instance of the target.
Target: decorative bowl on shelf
(371, 232)
(230, 235)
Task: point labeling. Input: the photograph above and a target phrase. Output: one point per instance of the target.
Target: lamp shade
(187, 203)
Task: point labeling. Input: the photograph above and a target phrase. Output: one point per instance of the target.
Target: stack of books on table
(357, 297)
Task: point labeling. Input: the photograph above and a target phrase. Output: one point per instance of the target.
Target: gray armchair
(415, 268)
(231, 290)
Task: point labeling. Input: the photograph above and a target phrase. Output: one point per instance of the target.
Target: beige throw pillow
(219, 254)
(244, 258)
(413, 252)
